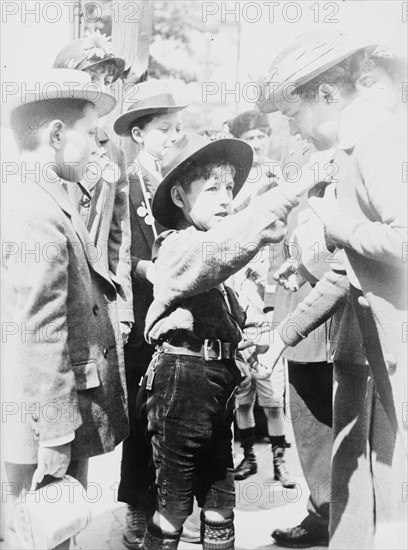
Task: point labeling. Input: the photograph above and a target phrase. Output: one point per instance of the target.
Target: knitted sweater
(190, 262)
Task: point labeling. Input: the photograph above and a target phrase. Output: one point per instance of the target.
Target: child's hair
(395, 68)
(194, 170)
(250, 120)
(108, 65)
(27, 119)
(142, 122)
(342, 77)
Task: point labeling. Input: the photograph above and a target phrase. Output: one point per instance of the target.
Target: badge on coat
(143, 212)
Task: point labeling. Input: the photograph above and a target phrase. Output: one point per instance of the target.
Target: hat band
(88, 62)
(161, 101)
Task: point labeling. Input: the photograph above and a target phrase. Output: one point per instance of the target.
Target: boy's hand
(289, 277)
(52, 461)
(285, 270)
(279, 231)
(268, 360)
(245, 374)
(246, 344)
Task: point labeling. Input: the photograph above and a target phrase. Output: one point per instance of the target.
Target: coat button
(86, 202)
(95, 309)
(105, 352)
(363, 302)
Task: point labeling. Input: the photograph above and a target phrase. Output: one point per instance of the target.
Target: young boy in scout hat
(153, 122)
(195, 322)
(367, 219)
(65, 373)
(103, 201)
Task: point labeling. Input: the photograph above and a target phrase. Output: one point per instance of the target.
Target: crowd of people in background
(201, 277)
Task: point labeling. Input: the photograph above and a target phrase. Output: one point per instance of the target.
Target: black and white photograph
(204, 274)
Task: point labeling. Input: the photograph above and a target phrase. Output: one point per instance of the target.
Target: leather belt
(211, 350)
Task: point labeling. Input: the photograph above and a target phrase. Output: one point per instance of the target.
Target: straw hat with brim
(308, 56)
(88, 53)
(159, 104)
(195, 147)
(58, 84)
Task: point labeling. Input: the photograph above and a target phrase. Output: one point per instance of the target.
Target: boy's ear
(136, 134)
(56, 132)
(176, 196)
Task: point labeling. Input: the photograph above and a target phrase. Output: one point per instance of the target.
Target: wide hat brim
(195, 147)
(303, 65)
(124, 122)
(104, 103)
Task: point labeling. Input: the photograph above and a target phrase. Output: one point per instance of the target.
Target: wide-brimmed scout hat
(152, 98)
(309, 55)
(57, 84)
(91, 51)
(195, 147)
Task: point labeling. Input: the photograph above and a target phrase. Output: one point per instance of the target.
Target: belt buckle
(208, 348)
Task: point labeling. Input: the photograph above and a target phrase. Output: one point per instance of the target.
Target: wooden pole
(131, 35)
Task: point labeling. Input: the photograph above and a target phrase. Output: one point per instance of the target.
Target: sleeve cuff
(57, 441)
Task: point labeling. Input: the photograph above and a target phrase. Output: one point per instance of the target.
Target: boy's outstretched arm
(191, 261)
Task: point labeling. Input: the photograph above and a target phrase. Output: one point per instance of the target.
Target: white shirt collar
(150, 163)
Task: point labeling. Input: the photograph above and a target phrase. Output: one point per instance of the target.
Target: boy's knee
(218, 514)
(167, 522)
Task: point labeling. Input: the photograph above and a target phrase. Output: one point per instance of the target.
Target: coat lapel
(91, 252)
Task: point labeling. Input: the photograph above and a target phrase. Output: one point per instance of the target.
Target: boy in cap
(368, 221)
(103, 202)
(65, 373)
(153, 122)
(195, 322)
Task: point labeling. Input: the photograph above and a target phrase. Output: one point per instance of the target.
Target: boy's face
(210, 201)
(258, 140)
(160, 134)
(79, 145)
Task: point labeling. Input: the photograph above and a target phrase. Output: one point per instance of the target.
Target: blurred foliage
(98, 16)
(169, 21)
(177, 28)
